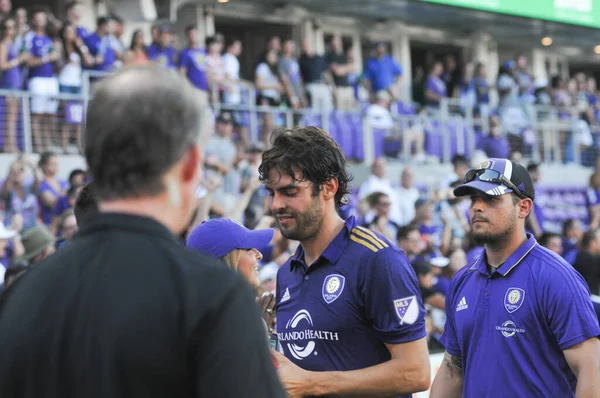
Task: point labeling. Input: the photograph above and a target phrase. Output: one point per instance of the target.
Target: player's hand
(294, 379)
(267, 307)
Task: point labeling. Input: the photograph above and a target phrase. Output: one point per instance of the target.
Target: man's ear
(190, 166)
(330, 188)
(525, 207)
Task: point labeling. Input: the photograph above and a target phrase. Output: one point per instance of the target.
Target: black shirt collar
(126, 222)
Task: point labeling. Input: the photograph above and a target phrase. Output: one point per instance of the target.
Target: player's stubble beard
(308, 222)
(497, 239)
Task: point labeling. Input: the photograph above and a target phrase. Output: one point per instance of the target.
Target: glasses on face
(493, 176)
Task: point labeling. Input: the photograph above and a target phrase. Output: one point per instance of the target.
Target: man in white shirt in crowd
(378, 113)
(406, 196)
(233, 92)
(378, 182)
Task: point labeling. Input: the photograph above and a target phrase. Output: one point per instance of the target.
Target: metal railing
(448, 130)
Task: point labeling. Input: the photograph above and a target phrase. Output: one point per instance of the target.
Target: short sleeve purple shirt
(516, 322)
(337, 314)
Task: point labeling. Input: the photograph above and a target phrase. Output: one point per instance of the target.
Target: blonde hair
(232, 259)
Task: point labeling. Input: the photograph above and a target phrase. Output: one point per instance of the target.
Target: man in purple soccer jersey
(519, 320)
(350, 319)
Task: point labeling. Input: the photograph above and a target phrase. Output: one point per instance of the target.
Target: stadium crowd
(427, 223)
(47, 56)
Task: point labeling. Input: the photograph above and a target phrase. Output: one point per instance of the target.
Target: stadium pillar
(401, 52)
(209, 21)
(485, 50)
(538, 64)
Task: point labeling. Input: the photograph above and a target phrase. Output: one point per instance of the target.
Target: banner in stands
(576, 12)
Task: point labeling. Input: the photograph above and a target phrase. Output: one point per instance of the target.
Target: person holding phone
(234, 245)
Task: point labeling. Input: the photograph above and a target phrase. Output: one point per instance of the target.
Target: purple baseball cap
(220, 236)
(516, 179)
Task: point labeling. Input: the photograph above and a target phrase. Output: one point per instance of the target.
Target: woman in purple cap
(229, 241)
(235, 245)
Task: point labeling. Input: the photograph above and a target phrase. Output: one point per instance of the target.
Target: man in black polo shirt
(340, 66)
(313, 69)
(125, 310)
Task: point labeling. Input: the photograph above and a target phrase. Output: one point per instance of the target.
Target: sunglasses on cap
(495, 177)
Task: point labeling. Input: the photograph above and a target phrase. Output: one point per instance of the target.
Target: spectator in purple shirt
(101, 45)
(435, 87)
(162, 52)
(382, 71)
(51, 188)
(192, 64)
(496, 144)
(11, 58)
(43, 83)
(17, 196)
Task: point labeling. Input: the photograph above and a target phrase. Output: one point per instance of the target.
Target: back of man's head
(141, 121)
(86, 203)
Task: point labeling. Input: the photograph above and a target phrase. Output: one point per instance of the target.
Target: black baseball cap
(497, 177)
(225, 117)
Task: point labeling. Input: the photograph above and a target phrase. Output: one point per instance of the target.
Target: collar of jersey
(515, 259)
(335, 249)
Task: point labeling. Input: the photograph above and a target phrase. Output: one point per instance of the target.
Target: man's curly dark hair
(307, 154)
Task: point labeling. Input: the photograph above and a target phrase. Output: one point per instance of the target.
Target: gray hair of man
(142, 137)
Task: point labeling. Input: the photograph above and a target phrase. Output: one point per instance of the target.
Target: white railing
(441, 126)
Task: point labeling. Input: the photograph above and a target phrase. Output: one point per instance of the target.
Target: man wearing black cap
(519, 319)
(124, 310)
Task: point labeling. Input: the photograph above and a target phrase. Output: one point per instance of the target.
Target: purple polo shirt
(338, 314)
(516, 324)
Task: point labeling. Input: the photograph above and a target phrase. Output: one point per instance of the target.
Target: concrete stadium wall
(429, 175)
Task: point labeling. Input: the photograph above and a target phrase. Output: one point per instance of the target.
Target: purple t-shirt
(46, 212)
(28, 207)
(436, 85)
(527, 312)
(382, 72)
(102, 46)
(339, 313)
(432, 230)
(164, 56)
(194, 61)
(41, 46)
